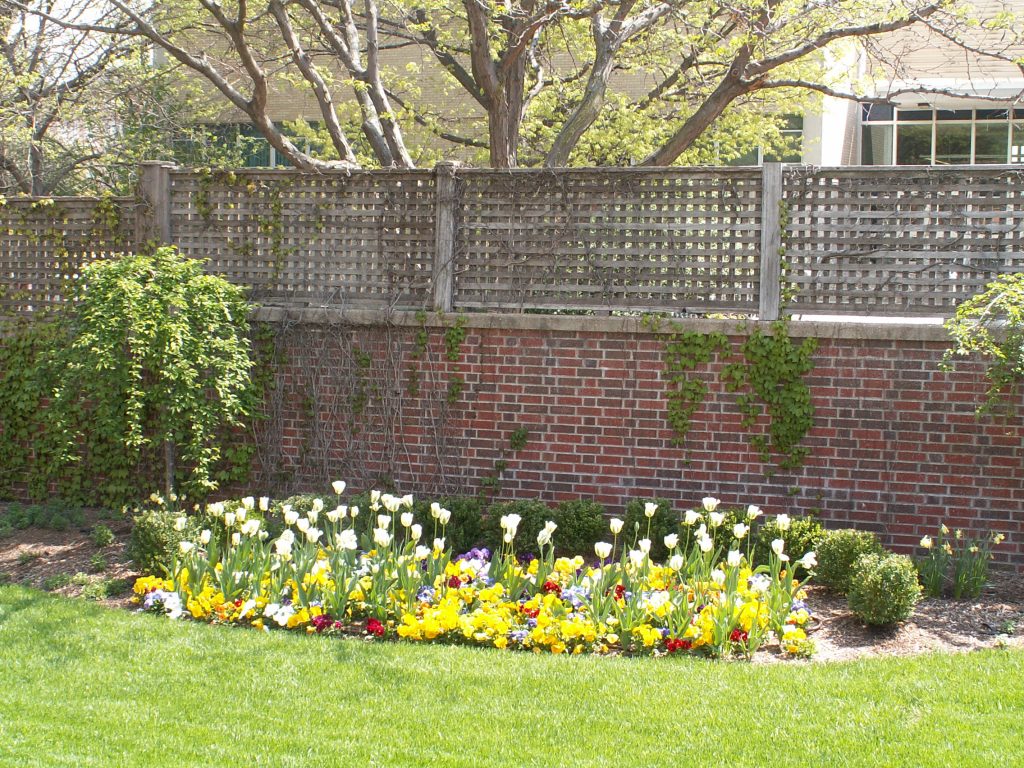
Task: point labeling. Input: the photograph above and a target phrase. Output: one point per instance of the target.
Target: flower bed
(707, 598)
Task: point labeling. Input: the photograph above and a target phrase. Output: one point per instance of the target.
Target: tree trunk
(505, 117)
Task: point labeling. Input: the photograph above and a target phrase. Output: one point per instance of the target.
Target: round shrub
(804, 535)
(580, 524)
(838, 551)
(883, 589)
(534, 514)
(664, 522)
(154, 541)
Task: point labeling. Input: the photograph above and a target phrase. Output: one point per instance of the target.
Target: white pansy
(602, 549)
(650, 508)
(672, 540)
(381, 537)
(691, 516)
(616, 525)
(760, 583)
(282, 615)
(734, 558)
(338, 486)
(710, 503)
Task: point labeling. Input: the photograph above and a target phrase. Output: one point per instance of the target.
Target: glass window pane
(873, 113)
(952, 144)
(992, 114)
(990, 142)
(954, 114)
(914, 145)
(876, 145)
(917, 115)
(1017, 144)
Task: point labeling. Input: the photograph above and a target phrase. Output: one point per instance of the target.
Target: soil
(994, 619)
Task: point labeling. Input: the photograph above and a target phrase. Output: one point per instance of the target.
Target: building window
(941, 137)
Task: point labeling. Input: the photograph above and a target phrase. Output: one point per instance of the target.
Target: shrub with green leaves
(156, 536)
(580, 524)
(802, 535)
(883, 589)
(102, 536)
(838, 551)
(154, 376)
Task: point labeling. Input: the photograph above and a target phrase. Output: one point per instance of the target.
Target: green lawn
(81, 685)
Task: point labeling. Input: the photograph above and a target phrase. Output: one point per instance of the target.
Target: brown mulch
(996, 618)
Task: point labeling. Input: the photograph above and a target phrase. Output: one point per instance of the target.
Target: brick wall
(896, 447)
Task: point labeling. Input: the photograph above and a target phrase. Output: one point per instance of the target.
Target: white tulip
(718, 576)
(740, 530)
(616, 525)
(691, 516)
(236, 539)
(406, 519)
(808, 561)
(204, 537)
(180, 523)
(734, 558)
(710, 503)
(644, 545)
(543, 538)
(421, 553)
(602, 549)
(407, 501)
(186, 547)
(715, 519)
(290, 515)
(313, 514)
(216, 509)
(229, 519)
(439, 545)
(337, 513)
(313, 535)
(249, 503)
(435, 510)
(637, 557)
(753, 512)
(416, 531)
(550, 526)
(650, 508)
(381, 537)
(241, 514)
(346, 539)
(783, 522)
(676, 562)
(705, 543)
(318, 505)
(444, 516)
(353, 512)
(338, 486)
(383, 521)
(672, 540)
(778, 545)
(264, 503)
(303, 524)
(926, 542)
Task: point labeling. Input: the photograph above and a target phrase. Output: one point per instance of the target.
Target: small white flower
(644, 545)
(353, 512)
(740, 530)
(760, 583)
(672, 540)
(313, 514)
(808, 561)
(216, 509)
(716, 518)
(282, 615)
(290, 515)
(229, 519)
(264, 503)
(706, 543)
(602, 549)
(435, 510)
(248, 503)
(180, 523)
(407, 501)
(733, 559)
(783, 522)
(650, 508)
(444, 516)
(381, 537)
(637, 557)
(383, 521)
(778, 545)
(439, 545)
(416, 530)
(718, 576)
(710, 503)
(204, 537)
(691, 516)
(236, 539)
(753, 512)
(346, 539)
(543, 538)
(338, 486)
(313, 535)
(303, 524)
(406, 519)
(186, 547)
(616, 525)
(676, 562)
(337, 513)
(421, 553)
(318, 505)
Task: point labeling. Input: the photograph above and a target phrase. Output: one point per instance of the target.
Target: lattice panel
(331, 239)
(900, 241)
(611, 239)
(44, 242)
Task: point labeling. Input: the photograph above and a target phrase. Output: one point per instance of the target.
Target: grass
(81, 685)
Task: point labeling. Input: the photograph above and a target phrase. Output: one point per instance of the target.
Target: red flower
(738, 636)
(674, 644)
(550, 586)
(531, 613)
(374, 627)
(620, 591)
(454, 582)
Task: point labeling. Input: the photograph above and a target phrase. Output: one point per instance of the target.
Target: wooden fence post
(771, 241)
(153, 211)
(445, 235)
